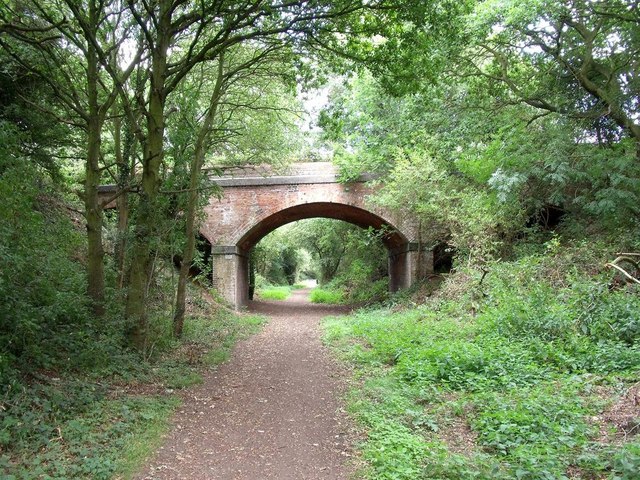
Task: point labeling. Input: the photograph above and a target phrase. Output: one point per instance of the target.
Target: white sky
(313, 101)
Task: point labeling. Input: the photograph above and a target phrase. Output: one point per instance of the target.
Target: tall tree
(179, 36)
(66, 36)
(247, 90)
(202, 142)
(578, 58)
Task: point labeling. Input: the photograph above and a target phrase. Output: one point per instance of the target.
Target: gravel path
(269, 413)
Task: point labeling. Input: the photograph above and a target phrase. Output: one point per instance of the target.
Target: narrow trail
(270, 412)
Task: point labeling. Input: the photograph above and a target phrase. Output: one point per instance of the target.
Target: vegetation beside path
(102, 420)
(327, 295)
(529, 371)
(274, 293)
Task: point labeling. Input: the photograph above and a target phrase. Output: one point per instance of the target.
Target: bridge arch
(253, 206)
(336, 211)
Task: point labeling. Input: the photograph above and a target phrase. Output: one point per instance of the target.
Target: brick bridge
(257, 201)
(254, 203)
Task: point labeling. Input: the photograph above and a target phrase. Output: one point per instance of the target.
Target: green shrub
(260, 282)
(626, 462)
(323, 295)
(610, 315)
(520, 359)
(360, 281)
(370, 292)
(44, 319)
(274, 293)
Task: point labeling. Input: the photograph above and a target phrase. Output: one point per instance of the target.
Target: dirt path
(269, 413)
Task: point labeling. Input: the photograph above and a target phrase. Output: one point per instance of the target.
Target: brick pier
(256, 202)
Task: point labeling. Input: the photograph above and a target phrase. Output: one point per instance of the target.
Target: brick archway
(337, 211)
(253, 205)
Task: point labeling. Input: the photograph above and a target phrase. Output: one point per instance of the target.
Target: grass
(529, 380)
(234, 330)
(69, 429)
(104, 424)
(328, 296)
(274, 293)
(142, 442)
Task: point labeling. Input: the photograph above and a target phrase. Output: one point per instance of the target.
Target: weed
(322, 295)
(274, 293)
(518, 362)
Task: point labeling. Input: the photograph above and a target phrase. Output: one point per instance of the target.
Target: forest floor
(271, 411)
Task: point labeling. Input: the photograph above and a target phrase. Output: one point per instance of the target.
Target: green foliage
(400, 436)
(71, 429)
(523, 360)
(340, 255)
(627, 461)
(346, 257)
(545, 423)
(274, 293)
(429, 165)
(27, 134)
(73, 425)
(475, 153)
(277, 259)
(395, 452)
(324, 295)
(360, 276)
(43, 316)
(326, 241)
(517, 74)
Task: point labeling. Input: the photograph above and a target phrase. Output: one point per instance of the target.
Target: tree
(577, 58)
(246, 91)
(60, 34)
(277, 257)
(170, 39)
(178, 37)
(29, 134)
(524, 107)
(326, 241)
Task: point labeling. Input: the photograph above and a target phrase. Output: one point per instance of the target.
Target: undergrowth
(527, 374)
(327, 295)
(102, 421)
(274, 292)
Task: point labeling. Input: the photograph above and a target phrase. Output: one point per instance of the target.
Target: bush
(524, 361)
(274, 293)
(361, 283)
(44, 318)
(323, 295)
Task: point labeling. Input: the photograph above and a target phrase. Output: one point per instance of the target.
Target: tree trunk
(93, 208)
(252, 274)
(146, 225)
(192, 204)
(123, 156)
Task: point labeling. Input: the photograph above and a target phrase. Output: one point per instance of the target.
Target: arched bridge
(255, 203)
